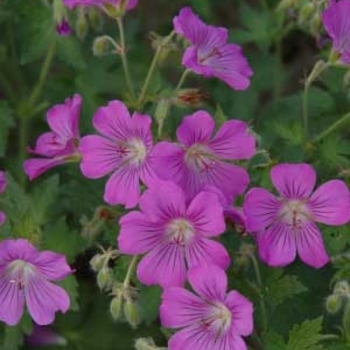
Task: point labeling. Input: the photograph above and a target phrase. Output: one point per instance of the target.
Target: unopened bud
(189, 98)
(146, 344)
(132, 312)
(306, 12)
(342, 288)
(315, 24)
(116, 307)
(100, 46)
(285, 5)
(105, 279)
(61, 18)
(96, 262)
(346, 78)
(333, 303)
(81, 25)
(95, 18)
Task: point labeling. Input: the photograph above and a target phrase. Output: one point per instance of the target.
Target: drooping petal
(260, 208)
(242, 313)
(195, 128)
(293, 181)
(330, 203)
(99, 156)
(208, 281)
(181, 308)
(204, 251)
(233, 141)
(206, 213)
(163, 200)
(137, 234)
(44, 299)
(164, 265)
(113, 121)
(277, 246)
(310, 246)
(36, 166)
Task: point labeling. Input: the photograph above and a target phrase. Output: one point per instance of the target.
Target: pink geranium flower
(3, 184)
(174, 235)
(286, 225)
(124, 150)
(209, 53)
(59, 145)
(212, 319)
(25, 278)
(73, 3)
(336, 20)
(201, 159)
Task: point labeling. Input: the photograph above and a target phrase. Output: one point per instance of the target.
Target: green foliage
(6, 123)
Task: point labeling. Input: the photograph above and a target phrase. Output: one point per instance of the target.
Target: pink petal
(164, 265)
(49, 145)
(293, 181)
(11, 301)
(330, 203)
(13, 249)
(123, 187)
(242, 311)
(233, 141)
(261, 209)
(52, 265)
(99, 156)
(113, 121)
(160, 207)
(148, 171)
(181, 308)
(277, 245)
(36, 166)
(137, 234)
(204, 251)
(141, 126)
(310, 246)
(195, 128)
(206, 213)
(209, 281)
(190, 61)
(44, 299)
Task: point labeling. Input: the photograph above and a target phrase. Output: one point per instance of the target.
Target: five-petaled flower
(3, 184)
(59, 145)
(285, 225)
(25, 278)
(124, 150)
(209, 53)
(211, 318)
(174, 235)
(202, 159)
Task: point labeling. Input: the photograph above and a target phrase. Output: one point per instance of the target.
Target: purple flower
(211, 319)
(73, 3)
(174, 235)
(25, 276)
(209, 53)
(3, 184)
(200, 158)
(58, 146)
(285, 225)
(336, 20)
(124, 150)
(63, 28)
(44, 336)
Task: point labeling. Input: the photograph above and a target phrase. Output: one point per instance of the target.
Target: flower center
(294, 213)
(200, 158)
(135, 151)
(205, 56)
(19, 272)
(180, 232)
(219, 319)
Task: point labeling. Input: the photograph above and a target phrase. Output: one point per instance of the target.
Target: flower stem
(124, 58)
(182, 79)
(340, 122)
(130, 271)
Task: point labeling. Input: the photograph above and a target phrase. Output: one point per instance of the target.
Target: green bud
(132, 313)
(285, 5)
(100, 46)
(315, 24)
(105, 279)
(146, 344)
(306, 12)
(342, 288)
(333, 303)
(116, 307)
(162, 110)
(346, 78)
(81, 26)
(95, 18)
(96, 262)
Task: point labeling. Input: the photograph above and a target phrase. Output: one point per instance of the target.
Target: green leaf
(273, 341)
(69, 50)
(283, 288)
(306, 336)
(149, 299)
(6, 122)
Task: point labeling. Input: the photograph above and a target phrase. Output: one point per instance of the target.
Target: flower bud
(96, 262)
(316, 24)
(95, 18)
(333, 303)
(105, 279)
(346, 78)
(146, 344)
(116, 307)
(285, 5)
(342, 288)
(306, 12)
(61, 18)
(189, 98)
(100, 46)
(81, 25)
(132, 312)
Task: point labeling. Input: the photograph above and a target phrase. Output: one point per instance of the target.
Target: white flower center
(19, 272)
(135, 151)
(180, 232)
(200, 158)
(219, 319)
(294, 213)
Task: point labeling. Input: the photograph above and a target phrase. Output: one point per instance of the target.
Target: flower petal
(293, 181)
(164, 265)
(310, 246)
(209, 281)
(52, 265)
(36, 166)
(137, 234)
(277, 246)
(44, 299)
(13, 249)
(242, 312)
(181, 308)
(141, 127)
(261, 209)
(195, 128)
(330, 203)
